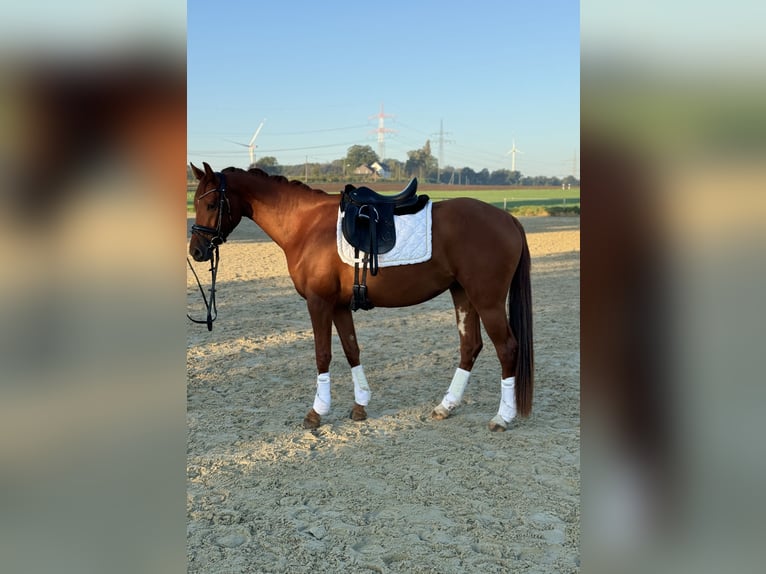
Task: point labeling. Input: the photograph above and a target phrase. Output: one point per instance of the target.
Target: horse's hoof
(312, 420)
(358, 413)
(497, 424)
(439, 413)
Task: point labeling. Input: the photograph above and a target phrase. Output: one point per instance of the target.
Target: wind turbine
(513, 151)
(251, 145)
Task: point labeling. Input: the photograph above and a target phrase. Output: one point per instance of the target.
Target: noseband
(214, 238)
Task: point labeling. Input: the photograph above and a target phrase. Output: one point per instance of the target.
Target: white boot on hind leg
(454, 395)
(507, 411)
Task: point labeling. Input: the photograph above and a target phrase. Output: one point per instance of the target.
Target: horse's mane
(257, 172)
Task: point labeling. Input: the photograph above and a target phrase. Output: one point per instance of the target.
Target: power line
(225, 135)
(319, 131)
(408, 138)
(289, 148)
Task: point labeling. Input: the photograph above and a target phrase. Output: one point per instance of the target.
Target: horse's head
(217, 213)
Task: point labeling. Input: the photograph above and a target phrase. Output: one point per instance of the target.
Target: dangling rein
(212, 311)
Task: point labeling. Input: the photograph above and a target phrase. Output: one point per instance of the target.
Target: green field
(514, 197)
(521, 201)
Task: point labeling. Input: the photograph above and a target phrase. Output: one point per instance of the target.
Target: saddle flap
(369, 228)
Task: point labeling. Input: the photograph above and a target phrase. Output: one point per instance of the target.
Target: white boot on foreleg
(361, 386)
(322, 399)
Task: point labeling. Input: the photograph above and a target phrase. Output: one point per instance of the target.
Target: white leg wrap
(507, 410)
(322, 399)
(361, 387)
(456, 389)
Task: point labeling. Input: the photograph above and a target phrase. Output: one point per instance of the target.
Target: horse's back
(479, 225)
(480, 242)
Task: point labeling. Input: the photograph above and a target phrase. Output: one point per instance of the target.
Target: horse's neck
(275, 206)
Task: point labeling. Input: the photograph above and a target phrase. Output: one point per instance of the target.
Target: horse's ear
(208, 169)
(198, 173)
(349, 188)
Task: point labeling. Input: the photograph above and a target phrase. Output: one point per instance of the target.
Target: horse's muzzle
(199, 251)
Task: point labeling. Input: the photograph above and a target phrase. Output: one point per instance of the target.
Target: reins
(215, 239)
(212, 311)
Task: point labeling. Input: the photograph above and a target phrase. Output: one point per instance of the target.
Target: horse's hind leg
(496, 323)
(469, 328)
(344, 324)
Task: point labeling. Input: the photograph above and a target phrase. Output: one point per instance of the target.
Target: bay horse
(479, 253)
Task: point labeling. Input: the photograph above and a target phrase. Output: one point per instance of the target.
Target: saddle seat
(366, 196)
(368, 217)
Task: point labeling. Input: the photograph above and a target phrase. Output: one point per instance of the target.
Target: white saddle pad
(413, 240)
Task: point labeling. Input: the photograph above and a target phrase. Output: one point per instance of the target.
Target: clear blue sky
(317, 71)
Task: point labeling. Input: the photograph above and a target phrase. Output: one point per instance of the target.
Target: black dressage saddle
(368, 217)
(368, 225)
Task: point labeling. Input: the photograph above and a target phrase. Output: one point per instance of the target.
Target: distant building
(375, 170)
(381, 169)
(364, 170)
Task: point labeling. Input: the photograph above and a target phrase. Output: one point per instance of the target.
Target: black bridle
(214, 237)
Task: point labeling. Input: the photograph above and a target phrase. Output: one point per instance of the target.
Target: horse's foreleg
(469, 328)
(321, 321)
(344, 324)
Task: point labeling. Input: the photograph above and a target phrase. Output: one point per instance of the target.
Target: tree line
(420, 163)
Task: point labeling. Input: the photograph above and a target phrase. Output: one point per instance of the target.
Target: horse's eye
(211, 206)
